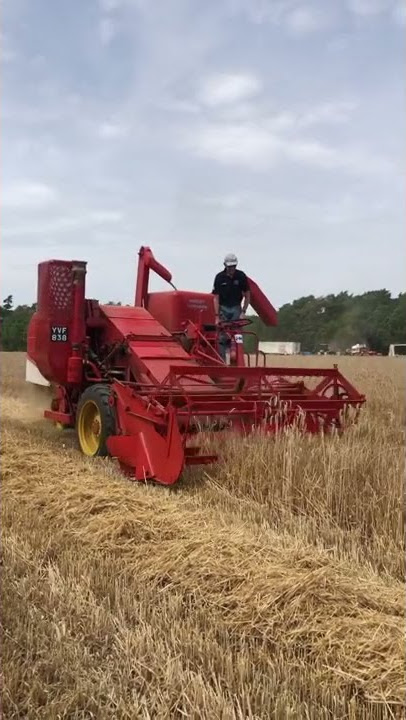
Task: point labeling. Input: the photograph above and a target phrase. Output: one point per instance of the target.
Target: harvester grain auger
(138, 383)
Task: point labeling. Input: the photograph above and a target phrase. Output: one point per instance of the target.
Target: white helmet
(230, 260)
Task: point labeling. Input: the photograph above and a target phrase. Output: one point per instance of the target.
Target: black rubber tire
(100, 396)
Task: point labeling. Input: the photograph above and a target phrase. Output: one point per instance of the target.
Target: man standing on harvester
(229, 289)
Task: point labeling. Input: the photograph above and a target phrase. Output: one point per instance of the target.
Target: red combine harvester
(139, 383)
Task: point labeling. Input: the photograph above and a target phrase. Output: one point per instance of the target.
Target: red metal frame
(146, 263)
(168, 383)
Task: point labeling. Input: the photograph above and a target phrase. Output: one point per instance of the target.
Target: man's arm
(246, 295)
(216, 298)
(216, 305)
(247, 300)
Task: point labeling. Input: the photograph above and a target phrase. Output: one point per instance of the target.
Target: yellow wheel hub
(89, 428)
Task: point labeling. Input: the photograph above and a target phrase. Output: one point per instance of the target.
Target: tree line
(374, 318)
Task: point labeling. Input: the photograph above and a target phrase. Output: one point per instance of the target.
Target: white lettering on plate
(59, 333)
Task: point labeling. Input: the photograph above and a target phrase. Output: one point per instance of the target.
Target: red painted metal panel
(261, 304)
(134, 320)
(149, 342)
(59, 319)
(176, 308)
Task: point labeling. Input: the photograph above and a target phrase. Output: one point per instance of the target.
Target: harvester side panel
(151, 346)
(174, 309)
(51, 329)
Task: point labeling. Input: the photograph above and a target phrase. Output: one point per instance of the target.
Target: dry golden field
(269, 587)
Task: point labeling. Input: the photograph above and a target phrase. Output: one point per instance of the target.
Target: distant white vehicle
(397, 349)
(358, 349)
(279, 347)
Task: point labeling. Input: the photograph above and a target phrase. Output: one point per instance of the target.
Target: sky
(273, 129)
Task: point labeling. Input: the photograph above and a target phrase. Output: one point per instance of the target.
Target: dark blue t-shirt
(230, 288)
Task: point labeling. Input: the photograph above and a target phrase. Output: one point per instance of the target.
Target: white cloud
(258, 148)
(227, 202)
(399, 13)
(369, 7)
(30, 195)
(110, 5)
(261, 11)
(246, 145)
(298, 17)
(302, 18)
(327, 113)
(374, 8)
(331, 113)
(7, 53)
(344, 209)
(60, 224)
(108, 216)
(306, 19)
(224, 88)
(111, 130)
(107, 30)
(350, 159)
(172, 105)
(316, 154)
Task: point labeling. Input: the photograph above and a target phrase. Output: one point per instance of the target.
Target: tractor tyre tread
(100, 394)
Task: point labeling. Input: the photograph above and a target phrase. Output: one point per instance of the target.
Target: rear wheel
(95, 420)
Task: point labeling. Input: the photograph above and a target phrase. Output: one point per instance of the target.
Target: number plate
(59, 334)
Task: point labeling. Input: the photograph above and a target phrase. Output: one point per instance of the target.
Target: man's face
(230, 269)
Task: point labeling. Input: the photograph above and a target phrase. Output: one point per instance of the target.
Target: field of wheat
(270, 586)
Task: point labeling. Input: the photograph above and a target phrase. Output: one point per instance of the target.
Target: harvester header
(141, 383)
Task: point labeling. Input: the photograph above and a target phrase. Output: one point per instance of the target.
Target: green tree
(373, 318)
(14, 327)
(8, 303)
